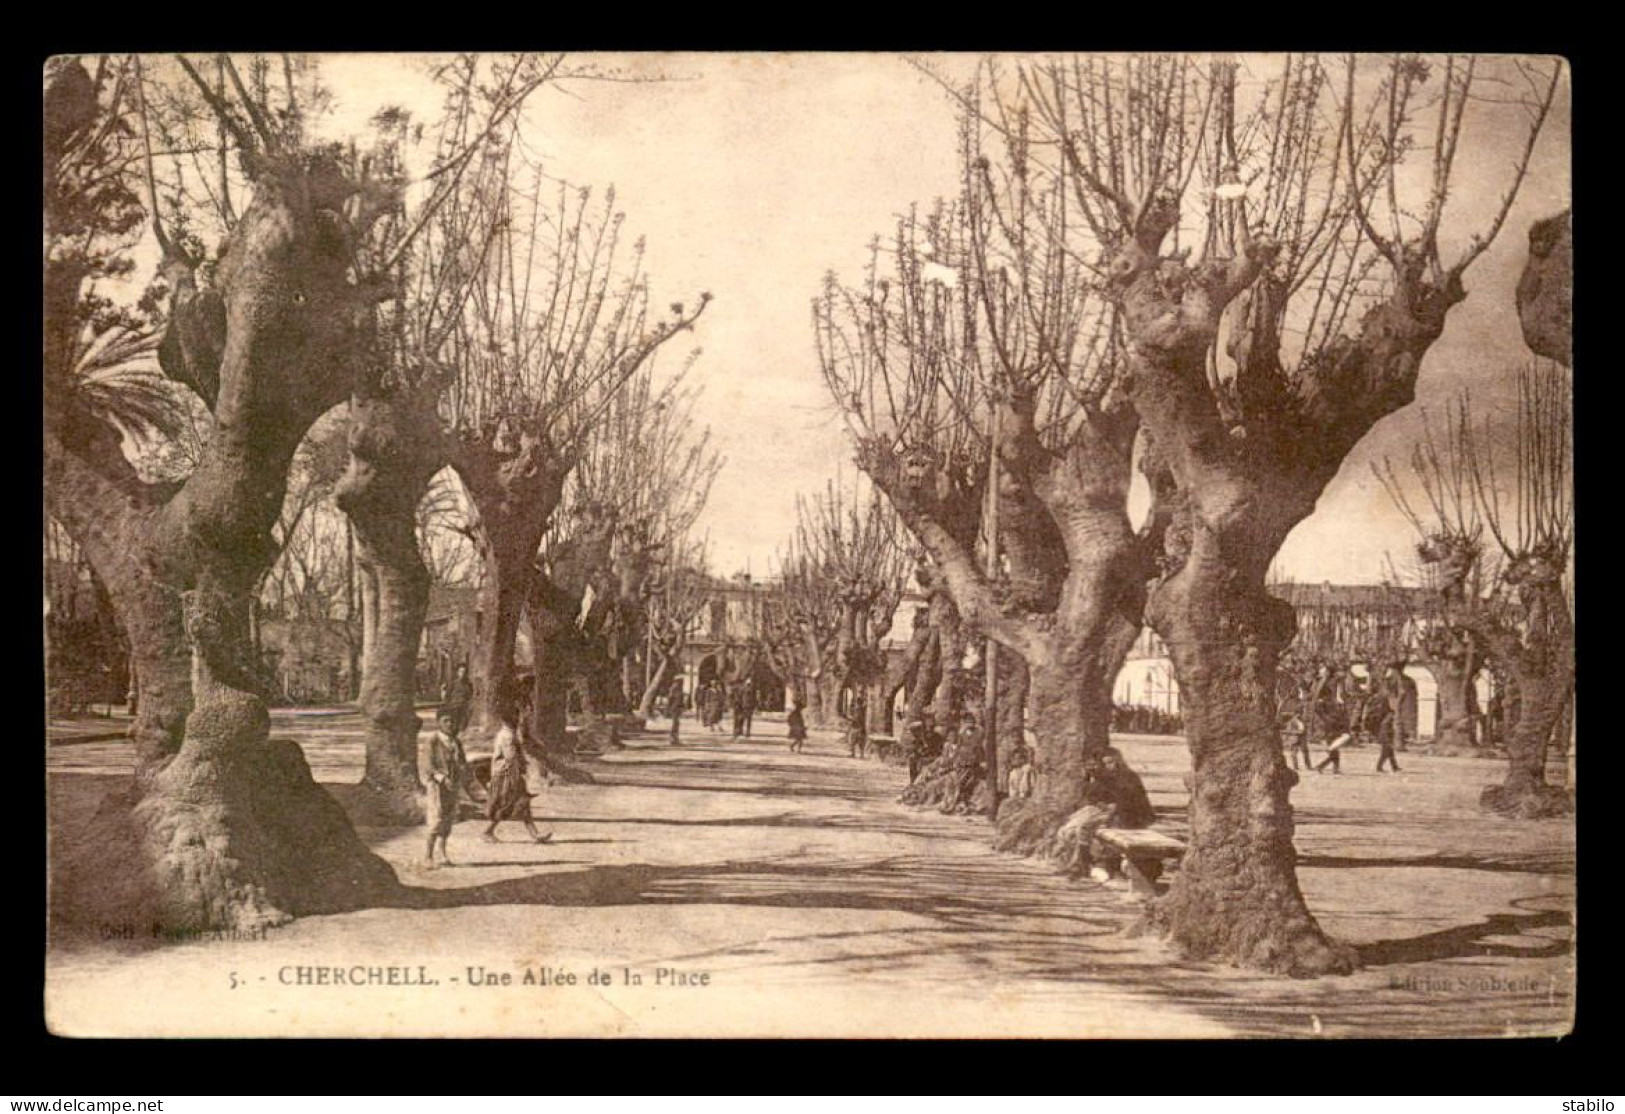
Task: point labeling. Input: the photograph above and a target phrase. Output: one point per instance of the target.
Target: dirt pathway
(735, 889)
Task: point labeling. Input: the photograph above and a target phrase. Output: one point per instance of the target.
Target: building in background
(1345, 621)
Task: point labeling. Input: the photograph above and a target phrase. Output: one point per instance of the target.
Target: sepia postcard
(809, 545)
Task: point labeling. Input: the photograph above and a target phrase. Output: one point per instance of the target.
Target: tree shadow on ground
(951, 893)
(1465, 940)
(1016, 924)
(1012, 926)
(909, 824)
(1556, 863)
(1462, 820)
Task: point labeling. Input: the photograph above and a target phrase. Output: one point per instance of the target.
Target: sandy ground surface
(735, 889)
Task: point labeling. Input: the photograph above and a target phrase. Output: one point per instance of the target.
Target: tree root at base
(1266, 932)
(1539, 802)
(239, 841)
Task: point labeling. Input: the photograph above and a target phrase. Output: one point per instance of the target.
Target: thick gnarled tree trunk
(515, 486)
(1069, 726)
(1010, 709)
(1525, 792)
(1455, 705)
(1070, 611)
(1237, 479)
(1236, 895)
(394, 444)
(108, 521)
(501, 603)
(232, 831)
(1546, 289)
(1538, 655)
(1069, 705)
(557, 650)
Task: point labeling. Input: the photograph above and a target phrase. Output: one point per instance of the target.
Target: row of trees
(463, 310)
(1164, 266)
(842, 578)
(1507, 603)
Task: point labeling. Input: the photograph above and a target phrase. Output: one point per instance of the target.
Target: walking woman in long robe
(509, 799)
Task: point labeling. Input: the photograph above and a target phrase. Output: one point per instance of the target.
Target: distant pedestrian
(457, 697)
(1292, 713)
(718, 700)
(797, 723)
(1404, 700)
(857, 725)
(1378, 720)
(914, 742)
(704, 708)
(744, 708)
(1334, 753)
(1326, 718)
(674, 708)
(1297, 741)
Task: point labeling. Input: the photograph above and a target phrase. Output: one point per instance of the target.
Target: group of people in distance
(1114, 796)
(714, 702)
(1332, 709)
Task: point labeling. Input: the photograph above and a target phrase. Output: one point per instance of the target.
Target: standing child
(1297, 740)
(448, 775)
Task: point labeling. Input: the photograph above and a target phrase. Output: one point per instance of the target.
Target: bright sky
(752, 175)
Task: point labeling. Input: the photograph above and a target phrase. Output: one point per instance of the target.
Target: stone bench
(1140, 848)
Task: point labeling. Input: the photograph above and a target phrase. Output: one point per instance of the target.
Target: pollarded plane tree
(673, 601)
(941, 447)
(801, 625)
(640, 482)
(1326, 272)
(661, 579)
(663, 468)
(395, 433)
(848, 559)
(990, 321)
(1517, 484)
(268, 316)
(558, 321)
